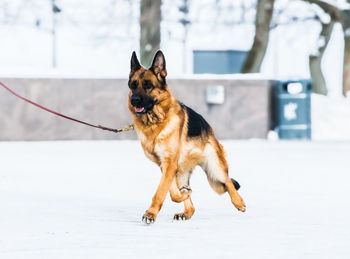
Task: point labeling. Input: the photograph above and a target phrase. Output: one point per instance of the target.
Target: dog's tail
(236, 184)
(220, 187)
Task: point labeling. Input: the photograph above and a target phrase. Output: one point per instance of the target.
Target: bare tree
(343, 17)
(256, 54)
(346, 64)
(55, 10)
(315, 59)
(319, 83)
(150, 29)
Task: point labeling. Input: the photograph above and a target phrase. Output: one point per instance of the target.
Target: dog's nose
(136, 100)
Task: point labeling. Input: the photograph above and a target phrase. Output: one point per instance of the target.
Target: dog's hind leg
(235, 197)
(215, 166)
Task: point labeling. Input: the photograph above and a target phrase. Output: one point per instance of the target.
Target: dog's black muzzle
(136, 100)
(141, 103)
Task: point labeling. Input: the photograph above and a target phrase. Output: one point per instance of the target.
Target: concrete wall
(245, 113)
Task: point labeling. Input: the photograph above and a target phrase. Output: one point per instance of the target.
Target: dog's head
(147, 86)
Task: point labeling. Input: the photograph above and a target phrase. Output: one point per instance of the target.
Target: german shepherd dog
(176, 138)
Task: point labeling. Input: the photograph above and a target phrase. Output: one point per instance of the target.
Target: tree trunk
(336, 16)
(150, 18)
(256, 54)
(319, 83)
(346, 65)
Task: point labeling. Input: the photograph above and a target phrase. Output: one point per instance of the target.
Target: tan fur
(163, 135)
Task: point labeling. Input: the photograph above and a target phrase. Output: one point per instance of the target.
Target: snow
(330, 118)
(84, 199)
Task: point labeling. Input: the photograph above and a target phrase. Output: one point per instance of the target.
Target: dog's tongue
(139, 109)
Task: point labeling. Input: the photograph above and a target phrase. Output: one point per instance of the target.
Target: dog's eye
(148, 85)
(133, 85)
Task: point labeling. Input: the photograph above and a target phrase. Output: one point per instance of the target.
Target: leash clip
(126, 128)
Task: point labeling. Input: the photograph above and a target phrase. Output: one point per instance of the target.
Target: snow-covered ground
(85, 200)
(330, 118)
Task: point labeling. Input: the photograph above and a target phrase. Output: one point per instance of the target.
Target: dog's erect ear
(158, 64)
(134, 63)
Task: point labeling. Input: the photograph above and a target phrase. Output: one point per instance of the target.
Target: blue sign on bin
(292, 109)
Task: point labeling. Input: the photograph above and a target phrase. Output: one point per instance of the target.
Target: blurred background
(241, 61)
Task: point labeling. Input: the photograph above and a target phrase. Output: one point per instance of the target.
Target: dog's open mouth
(140, 109)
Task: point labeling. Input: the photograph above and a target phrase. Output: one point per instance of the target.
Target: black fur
(196, 124)
(134, 63)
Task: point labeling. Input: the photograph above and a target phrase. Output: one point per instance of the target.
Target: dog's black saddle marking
(196, 124)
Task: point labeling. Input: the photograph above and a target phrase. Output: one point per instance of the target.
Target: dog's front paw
(148, 218)
(180, 216)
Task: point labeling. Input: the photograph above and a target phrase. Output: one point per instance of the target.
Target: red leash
(127, 128)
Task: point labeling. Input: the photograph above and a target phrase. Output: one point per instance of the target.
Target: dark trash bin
(291, 109)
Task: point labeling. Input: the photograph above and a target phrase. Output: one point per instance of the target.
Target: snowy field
(86, 199)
